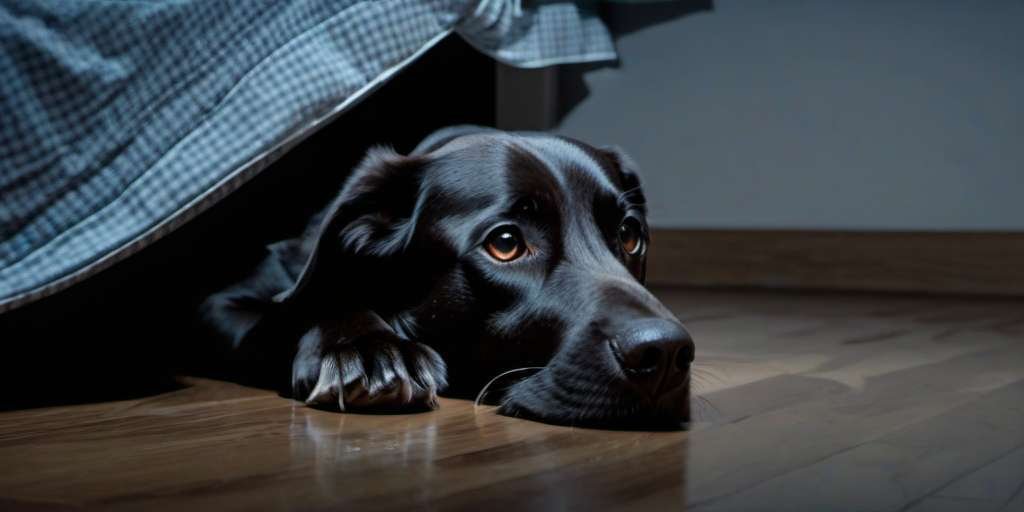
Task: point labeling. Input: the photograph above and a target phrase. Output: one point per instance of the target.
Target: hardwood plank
(830, 392)
(947, 504)
(738, 456)
(998, 481)
(1016, 504)
(900, 467)
(933, 262)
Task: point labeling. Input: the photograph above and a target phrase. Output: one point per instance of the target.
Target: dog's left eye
(505, 243)
(631, 236)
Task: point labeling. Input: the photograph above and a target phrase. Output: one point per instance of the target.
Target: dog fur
(390, 298)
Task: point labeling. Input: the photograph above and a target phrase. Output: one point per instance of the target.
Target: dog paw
(370, 373)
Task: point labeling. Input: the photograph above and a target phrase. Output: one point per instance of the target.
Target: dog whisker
(708, 372)
(483, 392)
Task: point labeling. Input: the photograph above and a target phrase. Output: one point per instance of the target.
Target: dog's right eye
(505, 243)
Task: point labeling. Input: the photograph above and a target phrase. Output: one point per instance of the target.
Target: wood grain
(806, 402)
(932, 262)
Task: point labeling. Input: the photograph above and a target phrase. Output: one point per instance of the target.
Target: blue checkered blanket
(119, 121)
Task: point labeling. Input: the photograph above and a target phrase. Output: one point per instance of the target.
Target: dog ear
(371, 220)
(629, 179)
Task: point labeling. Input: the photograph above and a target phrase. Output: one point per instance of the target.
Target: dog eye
(505, 243)
(631, 236)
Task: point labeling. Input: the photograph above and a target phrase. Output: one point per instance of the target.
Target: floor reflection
(468, 454)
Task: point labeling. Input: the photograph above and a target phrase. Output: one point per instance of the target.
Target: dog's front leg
(355, 360)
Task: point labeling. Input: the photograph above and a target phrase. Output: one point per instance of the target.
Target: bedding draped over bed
(120, 121)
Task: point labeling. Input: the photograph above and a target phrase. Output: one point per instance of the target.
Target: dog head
(503, 251)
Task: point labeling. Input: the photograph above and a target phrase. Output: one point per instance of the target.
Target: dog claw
(328, 385)
(383, 375)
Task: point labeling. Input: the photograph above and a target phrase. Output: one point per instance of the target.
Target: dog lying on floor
(480, 252)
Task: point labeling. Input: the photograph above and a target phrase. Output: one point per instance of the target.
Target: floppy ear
(371, 220)
(629, 180)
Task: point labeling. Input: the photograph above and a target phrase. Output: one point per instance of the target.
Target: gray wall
(822, 114)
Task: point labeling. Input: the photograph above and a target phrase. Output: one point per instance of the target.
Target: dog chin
(625, 419)
(605, 409)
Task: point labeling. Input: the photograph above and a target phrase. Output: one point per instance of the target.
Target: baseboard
(990, 263)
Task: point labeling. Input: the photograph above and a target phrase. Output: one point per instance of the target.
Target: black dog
(480, 252)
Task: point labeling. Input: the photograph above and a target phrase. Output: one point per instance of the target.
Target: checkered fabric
(119, 121)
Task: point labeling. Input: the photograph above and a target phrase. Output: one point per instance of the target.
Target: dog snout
(655, 354)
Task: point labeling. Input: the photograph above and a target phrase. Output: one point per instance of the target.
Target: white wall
(822, 114)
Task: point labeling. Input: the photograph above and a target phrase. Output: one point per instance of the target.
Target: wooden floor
(808, 402)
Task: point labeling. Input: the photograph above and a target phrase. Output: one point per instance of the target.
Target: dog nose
(654, 353)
